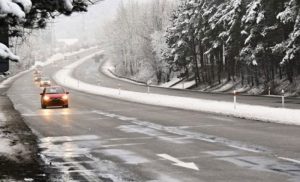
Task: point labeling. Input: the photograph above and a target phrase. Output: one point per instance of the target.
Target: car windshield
(54, 90)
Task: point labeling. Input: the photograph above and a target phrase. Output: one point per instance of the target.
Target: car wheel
(43, 106)
(66, 106)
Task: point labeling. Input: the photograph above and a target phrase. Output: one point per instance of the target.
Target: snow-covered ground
(173, 81)
(184, 84)
(5, 141)
(262, 113)
(52, 59)
(109, 69)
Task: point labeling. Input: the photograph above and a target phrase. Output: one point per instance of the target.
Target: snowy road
(104, 139)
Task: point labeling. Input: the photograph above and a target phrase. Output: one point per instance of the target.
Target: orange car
(54, 96)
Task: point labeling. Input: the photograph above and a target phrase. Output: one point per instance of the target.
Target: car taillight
(46, 98)
(65, 97)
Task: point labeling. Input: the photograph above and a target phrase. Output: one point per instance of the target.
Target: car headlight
(65, 97)
(46, 98)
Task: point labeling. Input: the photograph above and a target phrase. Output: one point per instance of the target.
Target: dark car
(54, 96)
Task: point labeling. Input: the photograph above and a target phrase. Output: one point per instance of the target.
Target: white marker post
(269, 92)
(282, 98)
(234, 99)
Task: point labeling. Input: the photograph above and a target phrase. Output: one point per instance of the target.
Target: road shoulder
(19, 153)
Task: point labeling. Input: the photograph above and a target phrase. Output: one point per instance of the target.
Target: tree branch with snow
(32, 14)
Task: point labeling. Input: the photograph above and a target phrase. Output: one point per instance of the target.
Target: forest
(250, 43)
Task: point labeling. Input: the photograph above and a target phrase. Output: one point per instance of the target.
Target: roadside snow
(170, 83)
(8, 148)
(268, 114)
(225, 87)
(184, 84)
(60, 56)
(5, 146)
(50, 60)
(108, 69)
(2, 118)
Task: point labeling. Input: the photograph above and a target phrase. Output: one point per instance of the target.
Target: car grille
(56, 99)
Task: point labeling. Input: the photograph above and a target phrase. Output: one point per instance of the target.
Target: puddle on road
(125, 155)
(69, 138)
(74, 159)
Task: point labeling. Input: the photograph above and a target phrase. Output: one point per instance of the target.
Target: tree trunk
(220, 66)
(256, 76)
(4, 63)
(290, 72)
(202, 62)
(212, 68)
(280, 73)
(242, 75)
(197, 73)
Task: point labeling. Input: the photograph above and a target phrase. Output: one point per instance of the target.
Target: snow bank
(60, 56)
(268, 114)
(170, 83)
(52, 59)
(109, 70)
(184, 84)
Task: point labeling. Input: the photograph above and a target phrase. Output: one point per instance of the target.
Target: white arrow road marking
(177, 162)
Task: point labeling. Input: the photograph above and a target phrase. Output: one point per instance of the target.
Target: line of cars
(51, 95)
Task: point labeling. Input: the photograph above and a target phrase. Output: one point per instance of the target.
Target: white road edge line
(177, 162)
(290, 160)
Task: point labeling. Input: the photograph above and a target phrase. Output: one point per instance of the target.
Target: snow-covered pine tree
(231, 20)
(177, 37)
(252, 40)
(291, 17)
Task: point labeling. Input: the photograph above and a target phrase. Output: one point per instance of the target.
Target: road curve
(90, 72)
(104, 139)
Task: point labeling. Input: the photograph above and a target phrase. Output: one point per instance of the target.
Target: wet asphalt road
(104, 139)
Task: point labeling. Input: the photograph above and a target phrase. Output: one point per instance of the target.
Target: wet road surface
(104, 139)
